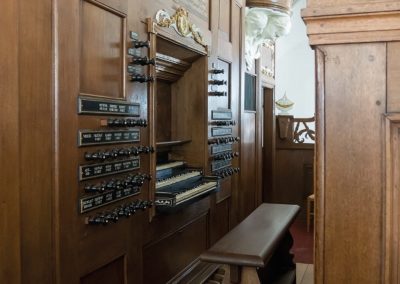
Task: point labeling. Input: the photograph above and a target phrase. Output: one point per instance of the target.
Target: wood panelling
(353, 162)
(36, 140)
(174, 252)
(236, 91)
(247, 194)
(269, 131)
(391, 230)
(393, 76)
(225, 19)
(117, 5)
(10, 250)
(112, 273)
(293, 182)
(188, 103)
(163, 113)
(221, 221)
(102, 47)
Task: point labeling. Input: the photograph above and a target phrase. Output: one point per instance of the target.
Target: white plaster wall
(294, 67)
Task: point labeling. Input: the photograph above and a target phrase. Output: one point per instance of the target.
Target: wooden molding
(391, 224)
(367, 22)
(319, 169)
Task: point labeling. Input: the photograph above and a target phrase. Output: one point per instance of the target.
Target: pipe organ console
(141, 118)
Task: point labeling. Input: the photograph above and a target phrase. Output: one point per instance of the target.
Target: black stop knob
(143, 61)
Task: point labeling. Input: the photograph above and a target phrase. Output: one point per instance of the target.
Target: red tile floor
(303, 247)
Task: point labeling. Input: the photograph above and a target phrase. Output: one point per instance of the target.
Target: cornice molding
(367, 22)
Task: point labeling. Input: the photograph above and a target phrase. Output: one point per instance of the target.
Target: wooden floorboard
(304, 273)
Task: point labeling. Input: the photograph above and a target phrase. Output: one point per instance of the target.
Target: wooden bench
(258, 249)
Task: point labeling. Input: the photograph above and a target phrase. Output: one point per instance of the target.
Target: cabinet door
(350, 106)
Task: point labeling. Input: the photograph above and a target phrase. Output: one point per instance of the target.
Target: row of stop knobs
(226, 172)
(226, 156)
(125, 210)
(124, 122)
(223, 140)
(117, 184)
(223, 122)
(116, 153)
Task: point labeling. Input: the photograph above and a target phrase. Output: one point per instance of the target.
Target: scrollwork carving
(299, 135)
(180, 23)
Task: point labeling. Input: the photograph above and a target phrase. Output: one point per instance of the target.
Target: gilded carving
(180, 23)
(198, 7)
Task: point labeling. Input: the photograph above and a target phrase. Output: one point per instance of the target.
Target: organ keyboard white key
(170, 165)
(193, 192)
(177, 178)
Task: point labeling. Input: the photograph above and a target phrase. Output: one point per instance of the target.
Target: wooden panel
(221, 221)
(166, 224)
(247, 194)
(118, 5)
(292, 181)
(393, 79)
(36, 137)
(235, 102)
(167, 256)
(353, 161)
(102, 51)
(392, 209)
(112, 273)
(163, 111)
(10, 250)
(188, 104)
(269, 120)
(225, 9)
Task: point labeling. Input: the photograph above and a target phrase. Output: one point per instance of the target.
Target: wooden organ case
(357, 74)
(143, 97)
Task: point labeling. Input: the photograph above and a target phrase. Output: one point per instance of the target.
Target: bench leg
(281, 264)
(243, 275)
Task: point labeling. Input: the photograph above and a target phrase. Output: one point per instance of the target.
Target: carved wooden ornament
(181, 24)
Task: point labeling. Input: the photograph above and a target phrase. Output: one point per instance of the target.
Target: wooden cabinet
(355, 153)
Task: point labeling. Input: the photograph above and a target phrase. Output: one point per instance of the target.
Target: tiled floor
(304, 273)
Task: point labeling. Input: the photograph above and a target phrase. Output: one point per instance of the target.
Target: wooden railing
(295, 130)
